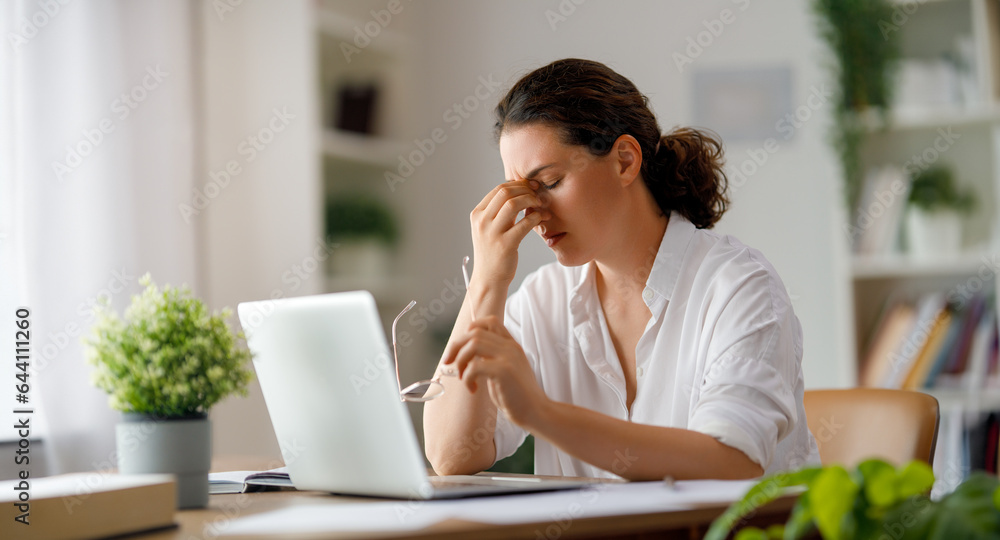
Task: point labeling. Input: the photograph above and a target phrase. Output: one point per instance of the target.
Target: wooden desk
(222, 509)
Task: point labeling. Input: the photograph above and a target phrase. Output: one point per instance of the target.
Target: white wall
(788, 209)
(258, 58)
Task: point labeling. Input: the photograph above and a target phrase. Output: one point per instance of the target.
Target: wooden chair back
(855, 424)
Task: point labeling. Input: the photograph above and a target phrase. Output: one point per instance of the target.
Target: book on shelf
(952, 359)
(992, 440)
(981, 443)
(949, 344)
(249, 481)
(974, 373)
(880, 212)
(956, 364)
(992, 369)
(86, 505)
(896, 321)
(917, 374)
(906, 352)
(967, 441)
(929, 343)
(979, 354)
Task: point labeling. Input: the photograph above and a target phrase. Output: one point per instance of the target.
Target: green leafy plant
(865, 46)
(968, 512)
(934, 189)
(357, 216)
(168, 357)
(873, 501)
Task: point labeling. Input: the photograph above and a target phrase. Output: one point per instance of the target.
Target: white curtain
(97, 152)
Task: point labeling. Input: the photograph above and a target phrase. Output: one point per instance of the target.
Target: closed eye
(552, 185)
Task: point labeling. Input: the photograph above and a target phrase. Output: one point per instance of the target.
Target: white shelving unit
(904, 267)
(931, 32)
(355, 162)
(377, 152)
(985, 400)
(985, 115)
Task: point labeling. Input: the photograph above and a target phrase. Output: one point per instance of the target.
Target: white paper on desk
(601, 500)
(595, 501)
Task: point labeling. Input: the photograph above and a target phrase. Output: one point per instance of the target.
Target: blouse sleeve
(747, 391)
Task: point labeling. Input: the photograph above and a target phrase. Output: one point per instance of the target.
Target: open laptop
(329, 383)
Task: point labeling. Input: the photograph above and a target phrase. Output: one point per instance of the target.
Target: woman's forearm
(638, 451)
(459, 425)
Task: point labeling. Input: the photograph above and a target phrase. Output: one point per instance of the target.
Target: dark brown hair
(592, 105)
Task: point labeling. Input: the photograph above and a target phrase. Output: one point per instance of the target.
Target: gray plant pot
(178, 446)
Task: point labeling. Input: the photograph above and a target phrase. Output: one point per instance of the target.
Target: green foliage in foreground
(168, 357)
(874, 501)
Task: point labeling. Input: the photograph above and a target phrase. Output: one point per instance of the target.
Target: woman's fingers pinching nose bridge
(532, 184)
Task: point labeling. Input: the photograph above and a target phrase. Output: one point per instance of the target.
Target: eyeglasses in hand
(427, 389)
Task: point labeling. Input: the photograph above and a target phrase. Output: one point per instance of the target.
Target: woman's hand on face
(488, 354)
(496, 236)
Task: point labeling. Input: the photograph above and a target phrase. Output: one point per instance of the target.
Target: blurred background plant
(936, 208)
(356, 216)
(935, 189)
(866, 53)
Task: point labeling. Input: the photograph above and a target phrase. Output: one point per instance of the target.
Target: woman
(654, 347)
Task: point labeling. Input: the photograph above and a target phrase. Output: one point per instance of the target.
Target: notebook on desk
(329, 383)
(249, 481)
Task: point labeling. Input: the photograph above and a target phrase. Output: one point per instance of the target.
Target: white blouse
(720, 355)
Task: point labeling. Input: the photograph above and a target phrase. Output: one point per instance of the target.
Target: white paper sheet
(559, 507)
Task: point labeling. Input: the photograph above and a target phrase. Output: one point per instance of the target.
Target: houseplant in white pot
(164, 364)
(935, 212)
(365, 230)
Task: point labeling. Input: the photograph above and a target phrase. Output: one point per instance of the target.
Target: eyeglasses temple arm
(395, 353)
(465, 274)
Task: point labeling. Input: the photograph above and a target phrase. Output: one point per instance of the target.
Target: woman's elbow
(749, 471)
(740, 467)
(452, 465)
(462, 461)
(450, 468)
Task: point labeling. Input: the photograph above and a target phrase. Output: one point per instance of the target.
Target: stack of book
(934, 342)
(878, 222)
(81, 506)
(980, 444)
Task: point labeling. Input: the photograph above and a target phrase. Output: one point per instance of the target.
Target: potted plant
(865, 57)
(365, 231)
(935, 211)
(874, 501)
(164, 364)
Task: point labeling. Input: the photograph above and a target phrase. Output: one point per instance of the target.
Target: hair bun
(687, 175)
